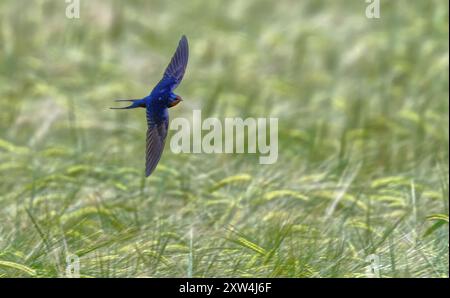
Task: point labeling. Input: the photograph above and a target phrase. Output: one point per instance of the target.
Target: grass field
(363, 163)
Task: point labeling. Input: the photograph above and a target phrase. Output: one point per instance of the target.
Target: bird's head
(174, 100)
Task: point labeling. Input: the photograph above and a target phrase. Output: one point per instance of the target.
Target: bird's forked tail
(136, 103)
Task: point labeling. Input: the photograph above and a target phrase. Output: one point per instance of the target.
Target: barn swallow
(157, 105)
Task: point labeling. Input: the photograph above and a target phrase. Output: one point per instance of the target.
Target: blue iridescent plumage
(157, 104)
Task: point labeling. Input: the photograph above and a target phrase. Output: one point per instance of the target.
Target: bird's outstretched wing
(157, 129)
(175, 70)
(156, 138)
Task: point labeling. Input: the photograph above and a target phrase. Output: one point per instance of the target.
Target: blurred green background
(363, 139)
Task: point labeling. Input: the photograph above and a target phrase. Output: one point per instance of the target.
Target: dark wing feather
(175, 70)
(156, 138)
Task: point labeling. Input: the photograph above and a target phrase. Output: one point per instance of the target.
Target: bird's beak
(177, 100)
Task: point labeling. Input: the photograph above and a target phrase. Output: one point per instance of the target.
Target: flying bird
(157, 105)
